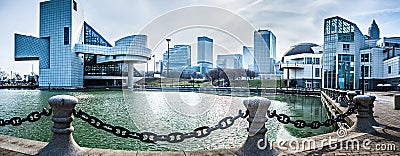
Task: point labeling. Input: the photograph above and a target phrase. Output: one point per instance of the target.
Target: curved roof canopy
(300, 49)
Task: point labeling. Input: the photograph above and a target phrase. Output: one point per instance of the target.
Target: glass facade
(179, 57)
(92, 68)
(92, 37)
(342, 42)
(345, 71)
(264, 51)
(72, 54)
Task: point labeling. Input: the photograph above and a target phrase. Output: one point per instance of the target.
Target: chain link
(285, 119)
(32, 117)
(150, 137)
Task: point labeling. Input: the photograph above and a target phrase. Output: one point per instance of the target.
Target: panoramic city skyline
(292, 23)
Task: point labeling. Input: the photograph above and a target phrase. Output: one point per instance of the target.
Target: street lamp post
(312, 75)
(154, 67)
(168, 40)
(345, 71)
(362, 79)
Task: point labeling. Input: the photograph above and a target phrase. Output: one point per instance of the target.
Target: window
(308, 60)
(365, 70)
(389, 69)
(316, 60)
(66, 35)
(317, 72)
(75, 6)
(364, 57)
(346, 47)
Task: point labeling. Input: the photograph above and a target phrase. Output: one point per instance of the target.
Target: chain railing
(285, 119)
(149, 137)
(32, 117)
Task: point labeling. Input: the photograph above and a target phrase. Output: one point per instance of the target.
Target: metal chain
(32, 117)
(150, 137)
(198, 132)
(285, 119)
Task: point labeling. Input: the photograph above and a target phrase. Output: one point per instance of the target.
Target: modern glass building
(72, 53)
(179, 58)
(264, 51)
(231, 61)
(205, 53)
(341, 54)
(248, 58)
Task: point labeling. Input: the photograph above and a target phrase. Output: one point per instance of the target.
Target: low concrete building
(302, 67)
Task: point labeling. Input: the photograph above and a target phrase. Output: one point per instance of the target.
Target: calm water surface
(158, 112)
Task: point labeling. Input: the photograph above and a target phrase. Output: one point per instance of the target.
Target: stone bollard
(351, 95)
(336, 95)
(62, 143)
(396, 105)
(371, 111)
(363, 123)
(330, 93)
(256, 142)
(342, 98)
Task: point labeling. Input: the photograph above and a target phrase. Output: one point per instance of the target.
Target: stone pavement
(387, 135)
(386, 141)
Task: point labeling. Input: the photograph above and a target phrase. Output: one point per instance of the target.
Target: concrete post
(330, 93)
(396, 104)
(62, 143)
(351, 95)
(336, 95)
(342, 98)
(371, 111)
(257, 142)
(363, 124)
(130, 75)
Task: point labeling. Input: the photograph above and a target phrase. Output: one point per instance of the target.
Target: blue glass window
(66, 35)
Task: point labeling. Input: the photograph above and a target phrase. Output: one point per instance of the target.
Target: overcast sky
(292, 22)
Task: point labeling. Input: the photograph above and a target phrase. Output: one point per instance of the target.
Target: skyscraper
(264, 51)
(373, 31)
(205, 53)
(341, 54)
(248, 58)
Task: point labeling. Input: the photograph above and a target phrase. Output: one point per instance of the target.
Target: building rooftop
(300, 49)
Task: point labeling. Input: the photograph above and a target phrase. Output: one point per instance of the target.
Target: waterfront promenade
(387, 134)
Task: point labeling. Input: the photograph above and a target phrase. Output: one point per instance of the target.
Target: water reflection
(159, 112)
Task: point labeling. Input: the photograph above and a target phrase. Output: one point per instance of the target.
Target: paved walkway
(387, 136)
(386, 141)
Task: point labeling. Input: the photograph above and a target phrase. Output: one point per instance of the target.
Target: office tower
(264, 51)
(205, 53)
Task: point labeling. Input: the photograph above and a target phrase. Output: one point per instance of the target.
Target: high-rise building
(72, 53)
(341, 54)
(179, 57)
(373, 30)
(264, 51)
(231, 61)
(205, 53)
(248, 58)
